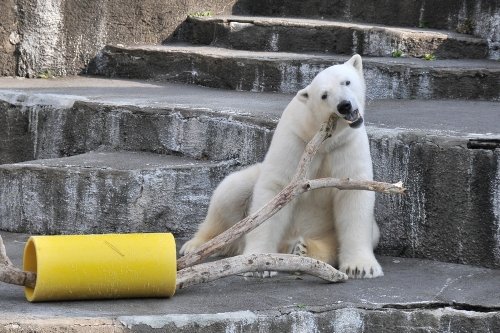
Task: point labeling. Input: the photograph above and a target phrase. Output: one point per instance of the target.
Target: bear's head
(338, 89)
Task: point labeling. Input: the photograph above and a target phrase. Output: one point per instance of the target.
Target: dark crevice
(440, 305)
(387, 307)
(484, 144)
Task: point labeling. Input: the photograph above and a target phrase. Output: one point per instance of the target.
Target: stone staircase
(273, 53)
(269, 54)
(284, 54)
(109, 155)
(327, 36)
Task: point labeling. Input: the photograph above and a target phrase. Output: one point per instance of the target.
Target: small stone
(14, 38)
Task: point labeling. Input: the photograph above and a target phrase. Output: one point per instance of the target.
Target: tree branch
(349, 184)
(257, 262)
(313, 146)
(297, 186)
(12, 275)
(279, 201)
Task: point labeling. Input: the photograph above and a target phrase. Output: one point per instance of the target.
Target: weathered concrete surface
(451, 211)
(307, 35)
(290, 72)
(56, 127)
(414, 295)
(449, 117)
(453, 191)
(9, 37)
(60, 37)
(108, 192)
(478, 17)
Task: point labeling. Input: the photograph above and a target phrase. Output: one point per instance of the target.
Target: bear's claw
(362, 269)
(300, 248)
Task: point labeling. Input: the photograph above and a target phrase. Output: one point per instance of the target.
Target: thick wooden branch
(12, 275)
(312, 148)
(298, 186)
(257, 262)
(279, 201)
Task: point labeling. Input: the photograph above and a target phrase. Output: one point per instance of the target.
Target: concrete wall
(32, 132)
(8, 37)
(59, 37)
(451, 210)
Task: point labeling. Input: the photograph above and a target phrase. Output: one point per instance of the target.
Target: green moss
(397, 54)
(46, 74)
(429, 57)
(206, 13)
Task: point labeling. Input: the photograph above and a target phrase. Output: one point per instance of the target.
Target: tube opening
(30, 264)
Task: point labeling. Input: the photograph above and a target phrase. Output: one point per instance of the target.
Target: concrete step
(413, 295)
(450, 213)
(290, 72)
(308, 35)
(65, 120)
(104, 192)
(477, 17)
(435, 14)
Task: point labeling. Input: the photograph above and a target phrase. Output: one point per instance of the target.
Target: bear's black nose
(344, 107)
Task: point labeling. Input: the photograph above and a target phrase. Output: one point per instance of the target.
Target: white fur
(335, 226)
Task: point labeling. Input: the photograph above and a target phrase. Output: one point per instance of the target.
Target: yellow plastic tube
(101, 266)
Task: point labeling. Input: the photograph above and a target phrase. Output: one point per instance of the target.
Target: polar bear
(331, 225)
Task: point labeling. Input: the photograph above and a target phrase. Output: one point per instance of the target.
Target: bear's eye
(324, 96)
(347, 83)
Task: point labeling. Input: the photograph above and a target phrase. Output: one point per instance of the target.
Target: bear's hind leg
(229, 205)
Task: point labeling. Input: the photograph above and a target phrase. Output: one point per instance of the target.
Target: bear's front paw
(191, 246)
(361, 267)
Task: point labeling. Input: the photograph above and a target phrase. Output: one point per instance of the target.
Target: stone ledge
(290, 72)
(103, 192)
(348, 319)
(477, 17)
(307, 35)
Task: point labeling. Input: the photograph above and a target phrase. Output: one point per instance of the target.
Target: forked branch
(298, 186)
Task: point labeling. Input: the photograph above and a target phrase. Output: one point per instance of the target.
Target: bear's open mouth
(354, 118)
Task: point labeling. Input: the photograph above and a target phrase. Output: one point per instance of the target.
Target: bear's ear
(303, 95)
(356, 62)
